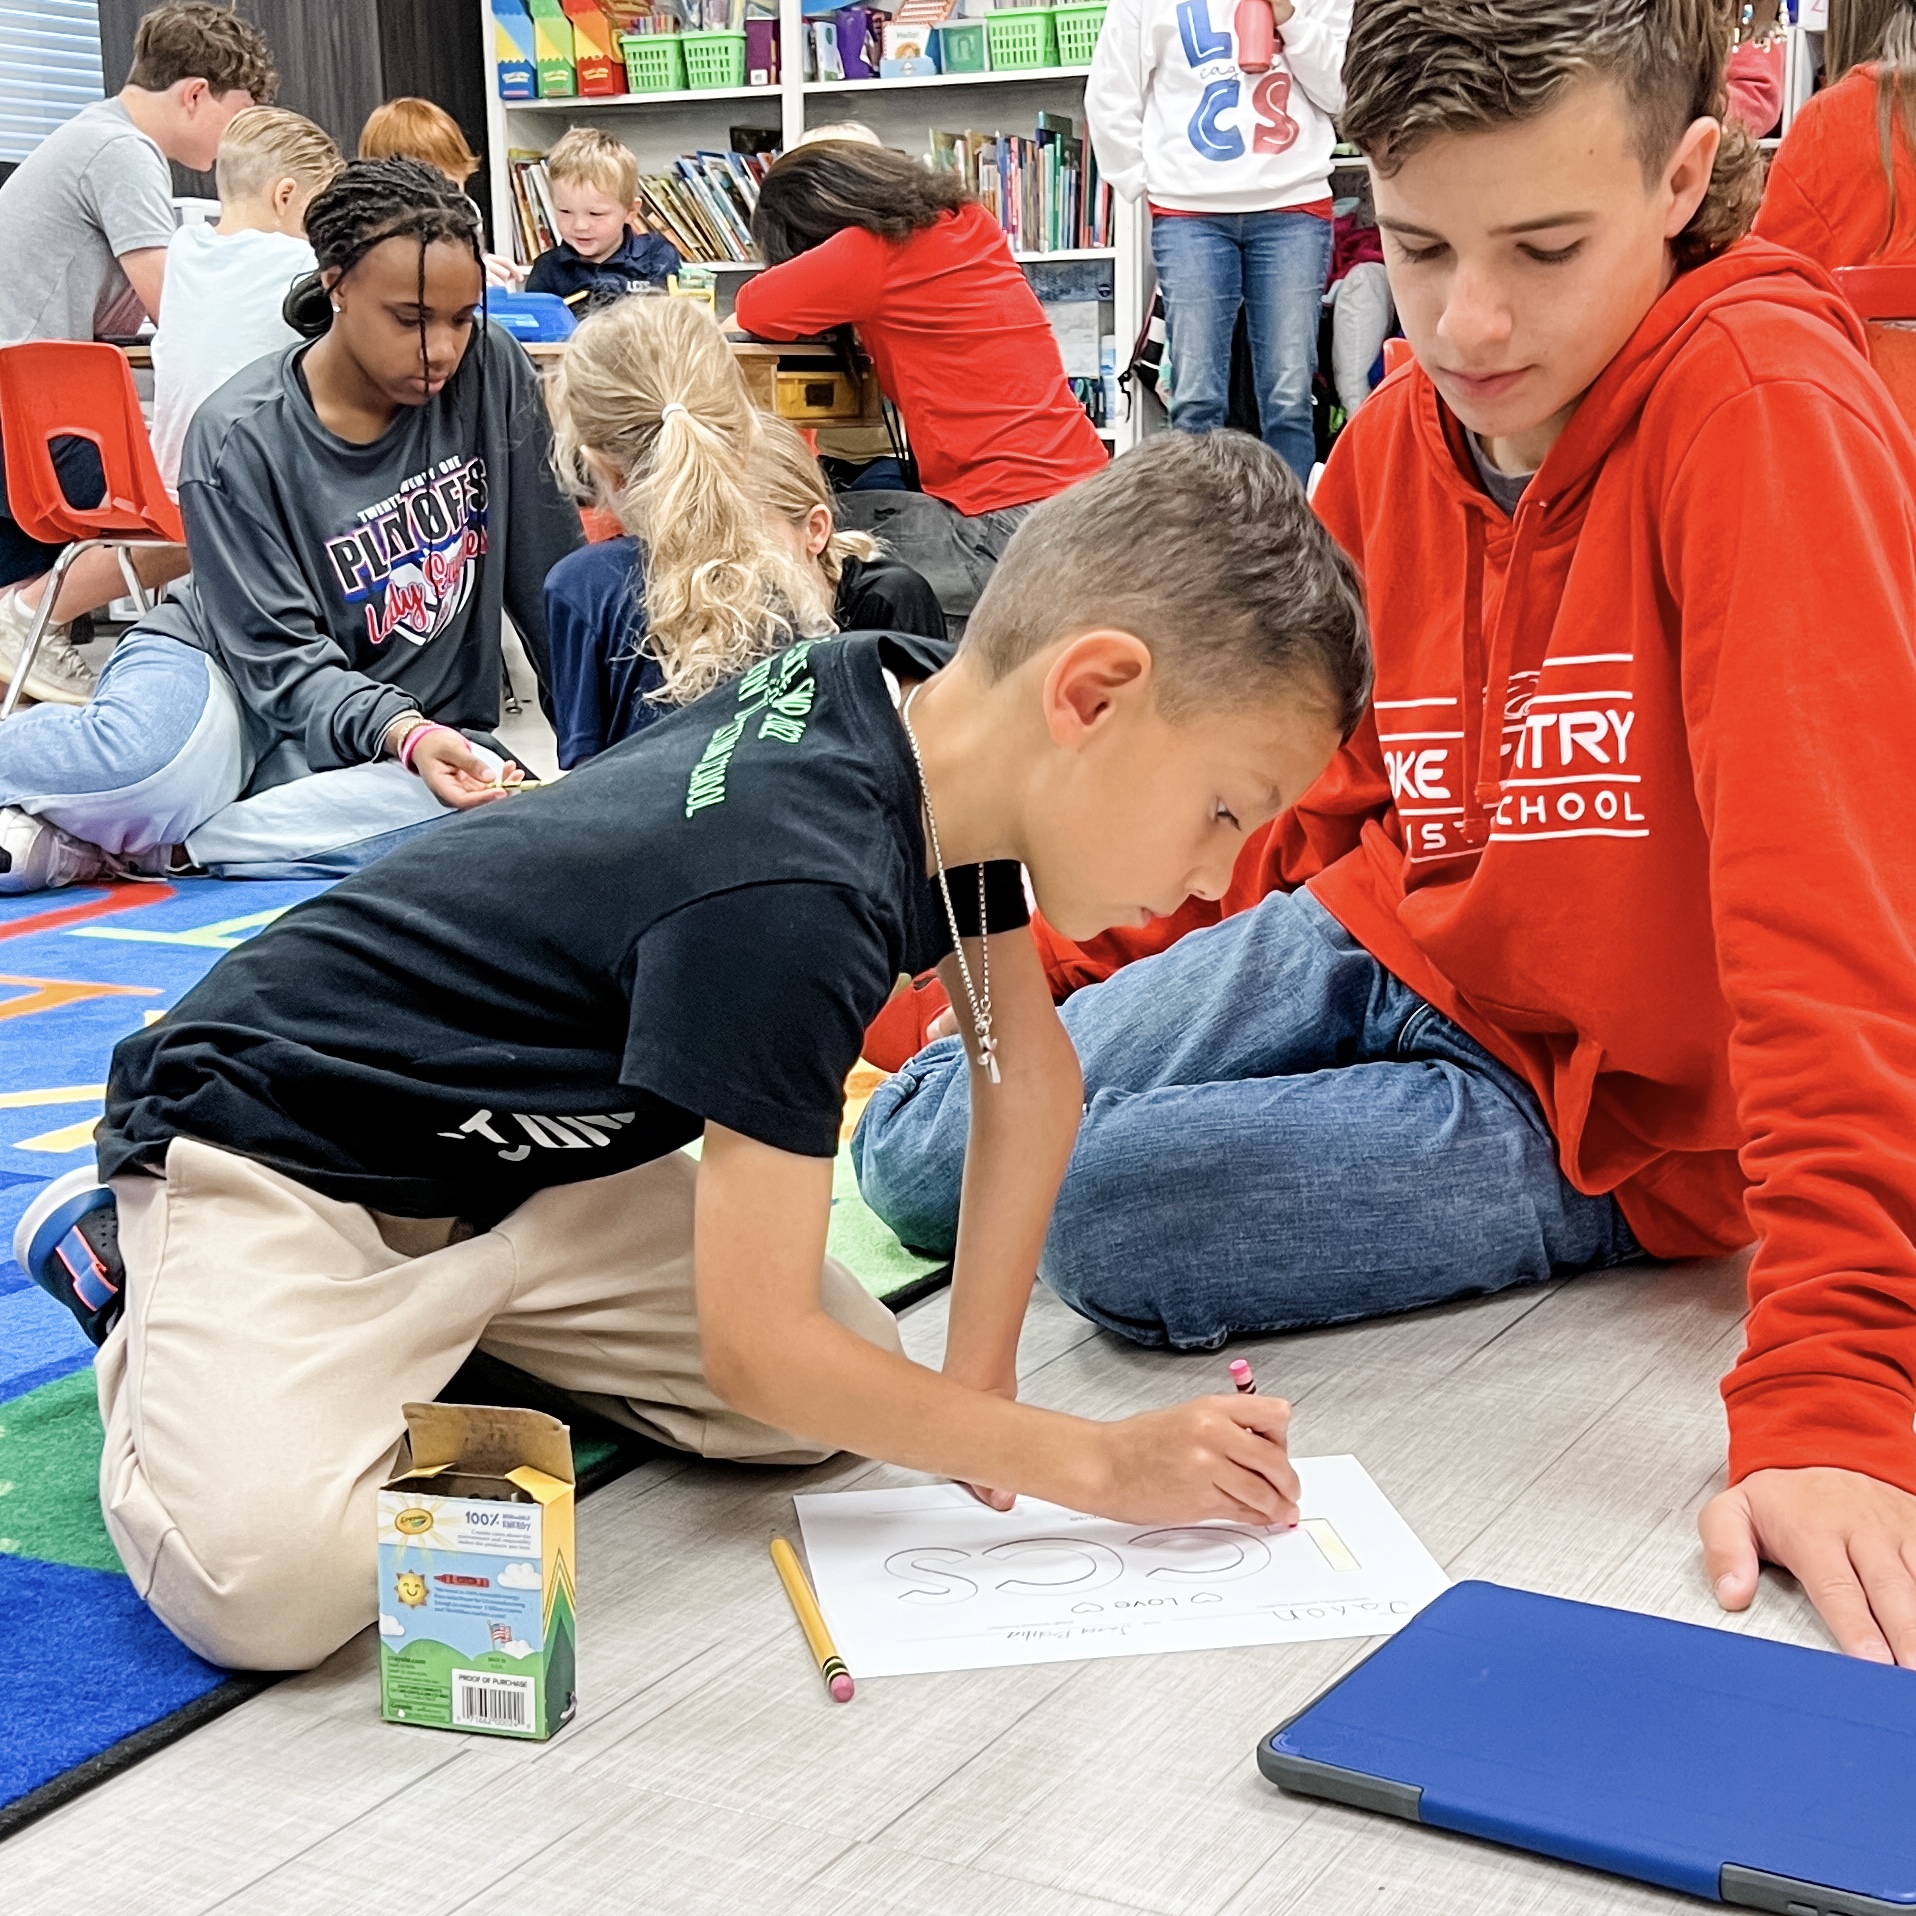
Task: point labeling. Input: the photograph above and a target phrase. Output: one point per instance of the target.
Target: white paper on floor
(929, 1579)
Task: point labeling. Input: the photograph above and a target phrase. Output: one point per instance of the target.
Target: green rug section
(863, 1244)
(50, 1476)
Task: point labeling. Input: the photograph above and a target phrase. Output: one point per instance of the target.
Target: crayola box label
(476, 1619)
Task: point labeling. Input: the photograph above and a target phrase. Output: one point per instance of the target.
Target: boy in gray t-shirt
(84, 223)
(91, 194)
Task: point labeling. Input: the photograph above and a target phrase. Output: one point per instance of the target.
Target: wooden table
(793, 380)
(799, 380)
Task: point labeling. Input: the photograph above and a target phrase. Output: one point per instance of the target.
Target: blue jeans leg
(158, 749)
(1287, 259)
(1277, 1133)
(1201, 274)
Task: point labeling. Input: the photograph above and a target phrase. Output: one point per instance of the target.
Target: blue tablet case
(1745, 1771)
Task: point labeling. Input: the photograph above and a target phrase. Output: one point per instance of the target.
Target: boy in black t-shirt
(441, 1106)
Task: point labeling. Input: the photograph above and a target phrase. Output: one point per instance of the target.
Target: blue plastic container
(531, 316)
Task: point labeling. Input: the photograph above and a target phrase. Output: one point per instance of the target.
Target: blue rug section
(88, 1665)
(68, 995)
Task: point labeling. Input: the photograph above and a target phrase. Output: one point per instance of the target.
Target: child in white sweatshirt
(1235, 167)
(225, 284)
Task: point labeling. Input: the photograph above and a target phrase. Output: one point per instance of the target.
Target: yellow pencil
(831, 1666)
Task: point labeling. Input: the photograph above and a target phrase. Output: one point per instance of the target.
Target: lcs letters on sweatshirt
(1271, 128)
(408, 559)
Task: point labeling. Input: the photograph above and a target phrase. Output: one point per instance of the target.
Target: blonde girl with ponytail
(730, 550)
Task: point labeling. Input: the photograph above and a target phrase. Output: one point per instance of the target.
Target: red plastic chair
(1885, 299)
(63, 389)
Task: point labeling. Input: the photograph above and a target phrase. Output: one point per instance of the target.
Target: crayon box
(595, 55)
(552, 47)
(476, 1620)
(513, 51)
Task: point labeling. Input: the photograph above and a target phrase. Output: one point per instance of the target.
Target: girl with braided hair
(360, 509)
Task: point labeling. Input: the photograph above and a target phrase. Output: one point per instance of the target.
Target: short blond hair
(265, 144)
(415, 129)
(596, 159)
(785, 473)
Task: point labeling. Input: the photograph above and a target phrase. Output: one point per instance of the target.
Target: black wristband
(1005, 908)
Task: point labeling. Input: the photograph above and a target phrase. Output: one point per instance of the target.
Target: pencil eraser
(1239, 1368)
(841, 1688)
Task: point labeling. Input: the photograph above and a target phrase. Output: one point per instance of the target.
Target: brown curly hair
(1416, 68)
(198, 41)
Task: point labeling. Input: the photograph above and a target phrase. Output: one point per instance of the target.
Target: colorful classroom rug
(92, 1681)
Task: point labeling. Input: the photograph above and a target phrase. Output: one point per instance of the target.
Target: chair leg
(136, 590)
(42, 619)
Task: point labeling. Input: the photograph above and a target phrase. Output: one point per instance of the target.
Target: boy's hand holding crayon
(1212, 1457)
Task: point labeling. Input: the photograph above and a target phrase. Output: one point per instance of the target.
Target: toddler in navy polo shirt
(604, 249)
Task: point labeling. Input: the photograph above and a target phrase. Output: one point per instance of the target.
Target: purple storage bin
(761, 53)
(858, 42)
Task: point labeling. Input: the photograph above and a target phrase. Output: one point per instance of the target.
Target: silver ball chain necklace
(980, 1001)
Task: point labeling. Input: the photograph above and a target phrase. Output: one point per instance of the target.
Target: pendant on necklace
(988, 1055)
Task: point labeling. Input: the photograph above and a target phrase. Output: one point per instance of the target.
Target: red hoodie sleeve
(1799, 687)
(838, 283)
(1322, 827)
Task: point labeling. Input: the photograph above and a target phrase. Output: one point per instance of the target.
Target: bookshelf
(660, 126)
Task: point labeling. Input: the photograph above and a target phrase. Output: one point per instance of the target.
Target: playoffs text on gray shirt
(90, 191)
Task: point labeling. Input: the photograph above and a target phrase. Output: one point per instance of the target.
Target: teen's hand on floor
(1848, 1539)
(457, 776)
(1212, 1457)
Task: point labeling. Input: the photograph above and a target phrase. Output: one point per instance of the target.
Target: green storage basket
(654, 63)
(1021, 38)
(714, 59)
(961, 47)
(1077, 34)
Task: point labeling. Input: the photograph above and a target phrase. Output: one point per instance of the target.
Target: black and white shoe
(69, 1244)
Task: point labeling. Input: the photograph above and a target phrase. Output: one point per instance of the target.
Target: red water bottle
(1256, 29)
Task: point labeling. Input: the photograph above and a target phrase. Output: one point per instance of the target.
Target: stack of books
(1044, 191)
(703, 205)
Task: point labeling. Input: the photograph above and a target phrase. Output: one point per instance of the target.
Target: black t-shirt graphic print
(698, 925)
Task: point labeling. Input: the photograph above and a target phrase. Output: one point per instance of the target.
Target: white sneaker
(59, 676)
(35, 855)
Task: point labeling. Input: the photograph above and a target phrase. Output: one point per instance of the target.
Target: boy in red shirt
(1597, 937)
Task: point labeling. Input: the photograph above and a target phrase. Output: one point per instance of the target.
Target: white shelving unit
(660, 126)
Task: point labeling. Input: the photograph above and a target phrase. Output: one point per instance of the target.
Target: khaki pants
(252, 1391)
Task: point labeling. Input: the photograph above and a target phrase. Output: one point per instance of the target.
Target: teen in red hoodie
(1617, 851)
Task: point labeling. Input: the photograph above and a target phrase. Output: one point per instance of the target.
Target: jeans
(76, 464)
(1275, 266)
(956, 552)
(157, 757)
(1277, 1132)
